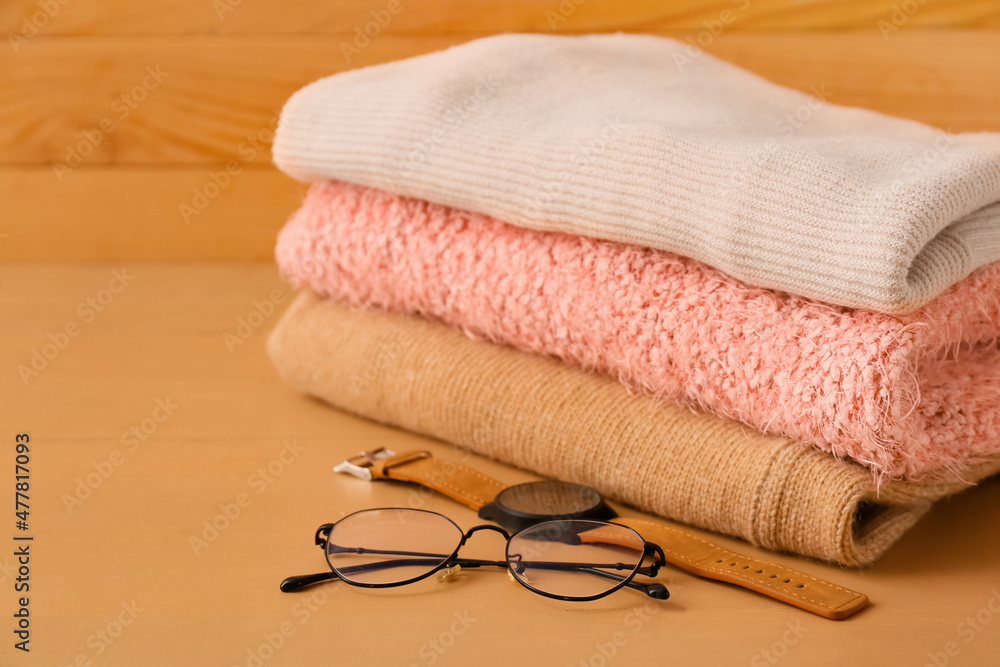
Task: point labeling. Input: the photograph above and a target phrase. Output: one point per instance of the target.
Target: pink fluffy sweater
(909, 396)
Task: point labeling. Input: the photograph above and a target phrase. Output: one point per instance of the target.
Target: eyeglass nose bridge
(485, 526)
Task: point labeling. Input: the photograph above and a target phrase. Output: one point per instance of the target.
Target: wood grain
(218, 97)
(172, 17)
(135, 212)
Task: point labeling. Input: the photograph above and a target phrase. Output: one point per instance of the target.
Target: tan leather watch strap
(467, 486)
(701, 557)
(682, 549)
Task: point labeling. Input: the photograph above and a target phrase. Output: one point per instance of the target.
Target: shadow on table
(959, 534)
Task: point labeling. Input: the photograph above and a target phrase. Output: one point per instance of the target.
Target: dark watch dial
(524, 505)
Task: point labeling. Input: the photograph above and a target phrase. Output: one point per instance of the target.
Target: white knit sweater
(642, 139)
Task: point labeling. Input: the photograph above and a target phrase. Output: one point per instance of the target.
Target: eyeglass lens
(574, 558)
(390, 546)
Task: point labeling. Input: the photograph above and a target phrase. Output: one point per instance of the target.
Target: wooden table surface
(162, 415)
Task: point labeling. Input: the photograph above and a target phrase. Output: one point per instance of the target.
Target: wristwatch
(522, 505)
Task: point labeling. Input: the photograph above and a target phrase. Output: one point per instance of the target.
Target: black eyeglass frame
(649, 550)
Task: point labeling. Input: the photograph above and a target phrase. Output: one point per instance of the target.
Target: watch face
(549, 498)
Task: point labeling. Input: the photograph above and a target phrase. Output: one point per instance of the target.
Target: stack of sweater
(719, 300)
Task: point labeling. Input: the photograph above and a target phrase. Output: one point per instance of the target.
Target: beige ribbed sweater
(542, 415)
(630, 138)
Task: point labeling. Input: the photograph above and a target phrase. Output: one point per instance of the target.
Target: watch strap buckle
(360, 464)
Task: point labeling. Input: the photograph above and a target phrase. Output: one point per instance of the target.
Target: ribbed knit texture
(548, 417)
(629, 138)
(908, 396)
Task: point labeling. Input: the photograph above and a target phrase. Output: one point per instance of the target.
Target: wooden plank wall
(117, 112)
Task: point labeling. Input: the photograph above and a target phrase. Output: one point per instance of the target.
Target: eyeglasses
(575, 559)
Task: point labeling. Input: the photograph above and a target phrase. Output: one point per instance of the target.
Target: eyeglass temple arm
(658, 591)
(654, 590)
(298, 582)
(292, 584)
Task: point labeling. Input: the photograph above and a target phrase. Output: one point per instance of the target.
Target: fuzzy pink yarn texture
(910, 396)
